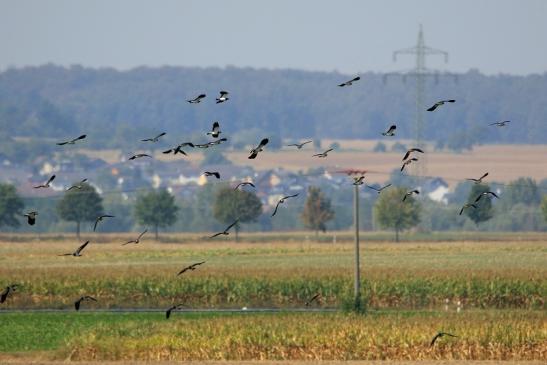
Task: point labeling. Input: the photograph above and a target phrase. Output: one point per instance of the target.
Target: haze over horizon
(352, 37)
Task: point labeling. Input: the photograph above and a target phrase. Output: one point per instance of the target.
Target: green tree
(524, 190)
(156, 208)
(80, 205)
(544, 206)
(233, 204)
(317, 210)
(390, 211)
(484, 210)
(11, 206)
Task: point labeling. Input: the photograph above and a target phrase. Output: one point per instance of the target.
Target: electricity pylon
(420, 73)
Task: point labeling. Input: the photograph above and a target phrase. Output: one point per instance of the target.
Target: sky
(493, 36)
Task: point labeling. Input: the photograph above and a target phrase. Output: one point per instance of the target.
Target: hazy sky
(508, 36)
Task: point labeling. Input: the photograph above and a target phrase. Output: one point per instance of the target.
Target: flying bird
(438, 335)
(479, 180)
(408, 162)
(245, 183)
(410, 193)
(281, 201)
(190, 268)
(225, 232)
(254, 152)
(486, 193)
(168, 311)
(359, 180)
(316, 297)
(72, 141)
(501, 124)
(100, 219)
(31, 217)
(465, 206)
(390, 132)
(215, 131)
(46, 184)
(154, 139)
(175, 151)
(78, 251)
(7, 291)
(218, 141)
(379, 190)
(197, 99)
(299, 145)
(78, 185)
(223, 97)
(350, 82)
(212, 173)
(323, 154)
(137, 240)
(410, 151)
(139, 155)
(439, 103)
(82, 299)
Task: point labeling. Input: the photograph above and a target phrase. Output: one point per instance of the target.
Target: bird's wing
(184, 270)
(435, 339)
(80, 137)
(50, 179)
(461, 210)
(342, 84)
(327, 151)
(160, 135)
(433, 107)
(404, 165)
(216, 127)
(417, 150)
(216, 234)
(223, 93)
(87, 297)
(250, 183)
(96, 222)
(385, 187)
(404, 198)
(263, 142)
(147, 140)
(231, 225)
(253, 154)
(291, 196)
(372, 187)
(494, 194)
(276, 206)
(495, 123)
(303, 143)
(61, 143)
(81, 248)
(449, 334)
(478, 198)
(317, 154)
(406, 155)
(168, 312)
(356, 78)
(217, 175)
(142, 234)
(483, 176)
(77, 304)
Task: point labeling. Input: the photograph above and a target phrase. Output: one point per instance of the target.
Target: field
(411, 289)
(504, 162)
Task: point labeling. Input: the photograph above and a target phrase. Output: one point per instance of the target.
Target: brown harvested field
(264, 362)
(504, 162)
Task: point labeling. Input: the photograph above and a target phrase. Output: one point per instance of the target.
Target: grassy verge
(483, 335)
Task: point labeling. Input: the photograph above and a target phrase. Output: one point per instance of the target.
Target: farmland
(499, 282)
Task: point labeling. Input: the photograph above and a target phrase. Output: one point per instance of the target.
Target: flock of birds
(215, 132)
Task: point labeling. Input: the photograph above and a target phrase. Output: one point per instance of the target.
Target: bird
(154, 139)
(390, 132)
(212, 173)
(254, 152)
(479, 180)
(78, 251)
(225, 232)
(501, 124)
(139, 155)
(281, 201)
(379, 190)
(100, 219)
(46, 184)
(299, 145)
(168, 311)
(439, 103)
(223, 97)
(190, 268)
(486, 193)
(197, 99)
(245, 183)
(316, 297)
(31, 217)
(350, 82)
(82, 299)
(408, 162)
(7, 291)
(323, 154)
(78, 185)
(175, 151)
(410, 151)
(215, 131)
(137, 240)
(218, 141)
(465, 206)
(72, 141)
(440, 334)
(359, 180)
(410, 193)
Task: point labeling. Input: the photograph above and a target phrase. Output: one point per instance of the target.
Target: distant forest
(117, 107)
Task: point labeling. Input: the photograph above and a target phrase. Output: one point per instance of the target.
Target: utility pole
(357, 278)
(420, 73)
